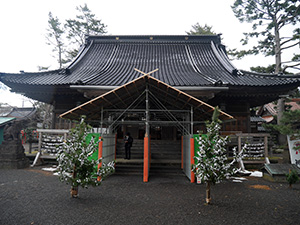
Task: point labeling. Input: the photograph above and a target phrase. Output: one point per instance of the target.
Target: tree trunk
(277, 47)
(74, 189)
(208, 199)
(280, 110)
(74, 192)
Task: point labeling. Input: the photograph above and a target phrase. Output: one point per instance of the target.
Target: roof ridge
(155, 38)
(268, 75)
(38, 72)
(221, 58)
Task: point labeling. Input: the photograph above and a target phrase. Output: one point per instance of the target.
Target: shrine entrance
(153, 112)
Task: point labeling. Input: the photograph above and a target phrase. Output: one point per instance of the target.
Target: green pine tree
(275, 26)
(85, 23)
(54, 36)
(75, 166)
(197, 29)
(212, 165)
(292, 177)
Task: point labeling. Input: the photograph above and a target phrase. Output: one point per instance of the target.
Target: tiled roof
(18, 113)
(5, 111)
(256, 119)
(5, 120)
(21, 113)
(181, 60)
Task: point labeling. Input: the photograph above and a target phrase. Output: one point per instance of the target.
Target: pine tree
(290, 123)
(75, 166)
(54, 37)
(197, 29)
(86, 23)
(211, 160)
(271, 22)
(292, 177)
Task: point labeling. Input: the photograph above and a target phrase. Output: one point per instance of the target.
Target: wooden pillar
(182, 152)
(239, 144)
(266, 150)
(116, 141)
(101, 123)
(192, 121)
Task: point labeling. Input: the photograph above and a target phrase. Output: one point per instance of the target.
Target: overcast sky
(23, 26)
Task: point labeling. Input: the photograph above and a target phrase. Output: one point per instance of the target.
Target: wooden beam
(146, 74)
(119, 98)
(109, 102)
(128, 93)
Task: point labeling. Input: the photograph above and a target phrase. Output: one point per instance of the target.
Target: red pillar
(192, 149)
(100, 150)
(149, 151)
(146, 159)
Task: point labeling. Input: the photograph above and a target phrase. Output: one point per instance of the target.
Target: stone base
(12, 155)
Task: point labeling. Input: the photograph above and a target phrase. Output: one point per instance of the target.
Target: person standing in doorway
(128, 143)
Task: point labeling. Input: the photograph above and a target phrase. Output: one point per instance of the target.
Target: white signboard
(294, 147)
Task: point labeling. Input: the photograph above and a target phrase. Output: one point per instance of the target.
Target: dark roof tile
(181, 60)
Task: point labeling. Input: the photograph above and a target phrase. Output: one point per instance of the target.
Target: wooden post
(266, 146)
(116, 141)
(246, 135)
(38, 155)
(266, 150)
(192, 120)
(65, 136)
(182, 152)
(101, 123)
(40, 142)
(239, 144)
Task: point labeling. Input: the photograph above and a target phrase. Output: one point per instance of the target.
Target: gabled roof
(182, 61)
(22, 113)
(5, 111)
(18, 113)
(124, 96)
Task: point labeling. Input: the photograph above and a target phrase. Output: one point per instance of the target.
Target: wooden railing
(257, 150)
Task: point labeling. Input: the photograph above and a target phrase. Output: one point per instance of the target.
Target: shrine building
(155, 87)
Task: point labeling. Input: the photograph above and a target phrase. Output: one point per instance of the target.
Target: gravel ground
(33, 196)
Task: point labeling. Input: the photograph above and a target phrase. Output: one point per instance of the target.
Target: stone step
(136, 166)
(160, 149)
